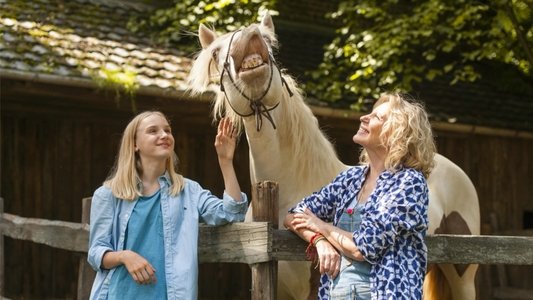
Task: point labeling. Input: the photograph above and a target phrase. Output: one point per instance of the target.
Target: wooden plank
(235, 243)
(58, 234)
(288, 246)
(482, 249)
(456, 249)
(249, 243)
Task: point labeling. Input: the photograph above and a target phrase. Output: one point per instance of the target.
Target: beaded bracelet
(316, 236)
(310, 251)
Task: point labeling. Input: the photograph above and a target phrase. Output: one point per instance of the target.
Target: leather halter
(258, 108)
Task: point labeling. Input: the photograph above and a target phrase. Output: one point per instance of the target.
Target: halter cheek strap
(257, 107)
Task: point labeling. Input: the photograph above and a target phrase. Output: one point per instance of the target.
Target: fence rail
(259, 244)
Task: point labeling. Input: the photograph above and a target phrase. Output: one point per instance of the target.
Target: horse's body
(287, 145)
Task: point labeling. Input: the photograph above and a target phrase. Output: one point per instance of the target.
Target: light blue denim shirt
(181, 217)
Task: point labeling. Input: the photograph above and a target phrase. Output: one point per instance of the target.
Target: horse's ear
(267, 22)
(206, 35)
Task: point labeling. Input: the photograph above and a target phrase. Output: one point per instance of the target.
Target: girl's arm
(139, 268)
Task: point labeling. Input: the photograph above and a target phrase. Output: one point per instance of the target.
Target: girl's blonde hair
(406, 134)
(124, 180)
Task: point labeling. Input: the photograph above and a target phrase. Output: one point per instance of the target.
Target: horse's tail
(436, 286)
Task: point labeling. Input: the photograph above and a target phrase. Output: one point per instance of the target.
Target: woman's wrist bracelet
(321, 237)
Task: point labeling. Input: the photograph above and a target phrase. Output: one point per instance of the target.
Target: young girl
(144, 219)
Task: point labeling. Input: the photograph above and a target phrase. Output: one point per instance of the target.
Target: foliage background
(382, 45)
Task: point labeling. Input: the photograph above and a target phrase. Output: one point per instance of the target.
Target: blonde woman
(144, 219)
(374, 248)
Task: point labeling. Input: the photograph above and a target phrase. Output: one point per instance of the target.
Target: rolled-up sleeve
(233, 206)
(101, 224)
(216, 211)
(323, 203)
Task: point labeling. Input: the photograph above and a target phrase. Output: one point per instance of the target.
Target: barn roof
(87, 41)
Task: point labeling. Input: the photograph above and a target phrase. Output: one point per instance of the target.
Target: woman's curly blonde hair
(406, 134)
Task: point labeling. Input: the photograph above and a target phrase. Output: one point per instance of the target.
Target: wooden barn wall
(57, 149)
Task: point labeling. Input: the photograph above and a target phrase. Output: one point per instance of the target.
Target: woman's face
(154, 138)
(369, 131)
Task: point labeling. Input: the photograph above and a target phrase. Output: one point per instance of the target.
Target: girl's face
(154, 138)
(369, 131)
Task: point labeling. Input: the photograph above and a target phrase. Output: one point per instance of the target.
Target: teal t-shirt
(144, 235)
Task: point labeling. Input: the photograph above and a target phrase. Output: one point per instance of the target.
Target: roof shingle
(84, 39)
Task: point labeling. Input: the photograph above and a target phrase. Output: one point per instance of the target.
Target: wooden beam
(482, 249)
(235, 243)
(58, 234)
(249, 243)
(232, 243)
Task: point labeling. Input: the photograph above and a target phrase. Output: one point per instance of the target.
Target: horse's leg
(293, 280)
(436, 286)
(462, 278)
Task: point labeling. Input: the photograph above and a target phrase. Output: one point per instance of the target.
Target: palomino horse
(287, 146)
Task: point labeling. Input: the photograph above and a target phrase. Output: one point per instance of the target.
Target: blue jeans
(353, 281)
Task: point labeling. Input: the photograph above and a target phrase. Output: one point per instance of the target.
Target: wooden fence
(259, 244)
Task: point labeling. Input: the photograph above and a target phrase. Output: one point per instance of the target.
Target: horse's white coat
(297, 155)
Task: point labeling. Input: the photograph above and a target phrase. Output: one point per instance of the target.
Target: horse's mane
(299, 129)
(200, 74)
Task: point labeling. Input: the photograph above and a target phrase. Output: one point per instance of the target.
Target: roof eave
(208, 96)
(88, 83)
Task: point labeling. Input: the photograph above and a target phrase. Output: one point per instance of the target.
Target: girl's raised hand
(225, 141)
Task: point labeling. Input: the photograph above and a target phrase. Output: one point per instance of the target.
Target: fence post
(1, 249)
(265, 209)
(85, 273)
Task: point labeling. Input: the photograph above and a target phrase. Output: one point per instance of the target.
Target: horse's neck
(296, 155)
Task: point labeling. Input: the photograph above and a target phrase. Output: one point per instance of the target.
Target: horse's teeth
(251, 61)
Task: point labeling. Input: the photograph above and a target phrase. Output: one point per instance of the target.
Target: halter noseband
(258, 108)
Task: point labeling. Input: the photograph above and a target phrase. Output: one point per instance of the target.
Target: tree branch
(519, 33)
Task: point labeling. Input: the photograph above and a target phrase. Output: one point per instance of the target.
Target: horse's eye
(214, 54)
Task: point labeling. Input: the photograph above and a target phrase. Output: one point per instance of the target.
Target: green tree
(391, 44)
(178, 23)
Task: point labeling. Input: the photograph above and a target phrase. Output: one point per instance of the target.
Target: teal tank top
(144, 235)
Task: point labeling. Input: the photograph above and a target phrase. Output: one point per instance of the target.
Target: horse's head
(242, 64)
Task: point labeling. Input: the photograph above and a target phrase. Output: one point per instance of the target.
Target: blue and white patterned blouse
(391, 236)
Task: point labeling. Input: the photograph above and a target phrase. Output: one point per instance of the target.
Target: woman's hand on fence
(139, 268)
(307, 220)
